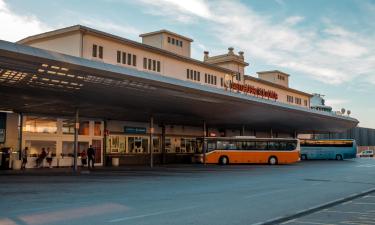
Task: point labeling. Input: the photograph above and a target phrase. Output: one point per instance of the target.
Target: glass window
(191, 74)
(124, 58)
(84, 128)
(205, 77)
(158, 66)
(144, 63)
(274, 145)
(248, 145)
(199, 76)
(211, 146)
(36, 124)
(134, 60)
(68, 148)
(97, 128)
(118, 56)
(195, 75)
(101, 52)
(261, 145)
(154, 65)
(181, 43)
(137, 145)
(94, 50)
(36, 147)
(169, 39)
(173, 41)
(129, 59)
(187, 74)
(291, 146)
(68, 127)
(215, 80)
(221, 82)
(149, 64)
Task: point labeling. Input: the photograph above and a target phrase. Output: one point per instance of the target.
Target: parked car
(367, 153)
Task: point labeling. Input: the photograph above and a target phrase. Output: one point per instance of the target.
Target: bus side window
(261, 145)
(283, 146)
(274, 145)
(291, 146)
(211, 145)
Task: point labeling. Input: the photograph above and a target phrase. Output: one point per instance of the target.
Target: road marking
(366, 165)
(364, 203)
(311, 222)
(347, 212)
(149, 214)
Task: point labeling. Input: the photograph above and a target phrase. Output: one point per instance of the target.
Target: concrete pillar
(20, 123)
(76, 127)
(271, 133)
(105, 138)
(204, 146)
(151, 142)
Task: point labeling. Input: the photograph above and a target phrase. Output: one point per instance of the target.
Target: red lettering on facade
(254, 90)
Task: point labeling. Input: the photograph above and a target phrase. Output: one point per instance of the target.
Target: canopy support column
(20, 137)
(151, 142)
(242, 131)
(163, 143)
(271, 133)
(204, 142)
(76, 127)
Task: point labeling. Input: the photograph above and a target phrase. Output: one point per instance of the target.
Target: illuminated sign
(254, 90)
(135, 130)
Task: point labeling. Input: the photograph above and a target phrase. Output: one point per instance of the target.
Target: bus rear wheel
(339, 157)
(303, 157)
(223, 160)
(272, 160)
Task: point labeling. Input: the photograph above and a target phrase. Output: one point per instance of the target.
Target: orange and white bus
(226, 150)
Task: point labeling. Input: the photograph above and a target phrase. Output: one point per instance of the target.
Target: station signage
(254, 90)
(135, 130)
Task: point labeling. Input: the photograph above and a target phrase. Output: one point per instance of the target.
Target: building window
(118, 56)
(305, 102)
(195, 75)
(221, 82)
(35, 124)
(154, 65)
(94, 50)
(144, 63)
(199, 76)
(180, 43)
(205, 78)
(177, 42)
(124, 58)
(158, 66)
(149, 64)
(169, 39)
(215, 80)
(298, 101)
(289, 98)
(172, 41)
(101, 52)
(129, 59)
(187, 74)
(134, 60)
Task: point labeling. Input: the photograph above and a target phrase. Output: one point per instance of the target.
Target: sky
(328, 47)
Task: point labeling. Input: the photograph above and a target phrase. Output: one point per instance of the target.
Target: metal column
(204, 142)
(163, 143)
(151, 142)
(271, 133)
(20, 123)
(243, 131)
(76, 127)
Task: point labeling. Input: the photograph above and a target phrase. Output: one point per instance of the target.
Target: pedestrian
(24, 153)
(49, 157)
(91, 156)
(83, 158)
(42, 156)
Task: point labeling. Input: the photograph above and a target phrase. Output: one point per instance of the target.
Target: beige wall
(154, 40)
(272, 77)
(11, 139)
(69, 44)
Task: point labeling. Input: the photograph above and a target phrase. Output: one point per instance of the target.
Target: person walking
(42, 156)
(24, 153)
(49, 157)
(91, 156)
(83, 158)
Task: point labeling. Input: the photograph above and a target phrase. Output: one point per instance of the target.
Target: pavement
(190, 194)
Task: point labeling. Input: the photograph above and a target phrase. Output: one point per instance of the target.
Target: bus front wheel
(272, 160)
(223, 160)
(338, 157)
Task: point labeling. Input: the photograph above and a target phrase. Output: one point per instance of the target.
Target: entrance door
(97, 145)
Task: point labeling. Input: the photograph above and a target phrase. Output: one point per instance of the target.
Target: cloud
(328, 53)
(15, 27)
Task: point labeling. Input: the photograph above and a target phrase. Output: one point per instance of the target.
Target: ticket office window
(137, 145)
(68, 127)
(35, 124)
(97, 128)
(84, 128)
(173, 145)
(117, 144)
(188, 145)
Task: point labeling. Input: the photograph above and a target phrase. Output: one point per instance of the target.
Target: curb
(311, 210)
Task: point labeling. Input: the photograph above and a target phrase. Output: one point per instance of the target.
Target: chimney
(205, 55)
(241, 54)
(230, 51)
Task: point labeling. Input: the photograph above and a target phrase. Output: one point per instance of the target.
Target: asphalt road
(244, 194)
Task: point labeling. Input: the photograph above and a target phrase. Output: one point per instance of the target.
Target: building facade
(161, 54)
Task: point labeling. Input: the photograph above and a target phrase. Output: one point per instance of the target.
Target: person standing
(24, 153)
(91, 156)
(49, 157)
(83, 158)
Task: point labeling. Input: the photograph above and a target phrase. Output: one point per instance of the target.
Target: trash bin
(115, 162)
(16, 165)
(5, 158)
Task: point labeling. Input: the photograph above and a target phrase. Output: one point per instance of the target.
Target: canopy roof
(44, 82)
